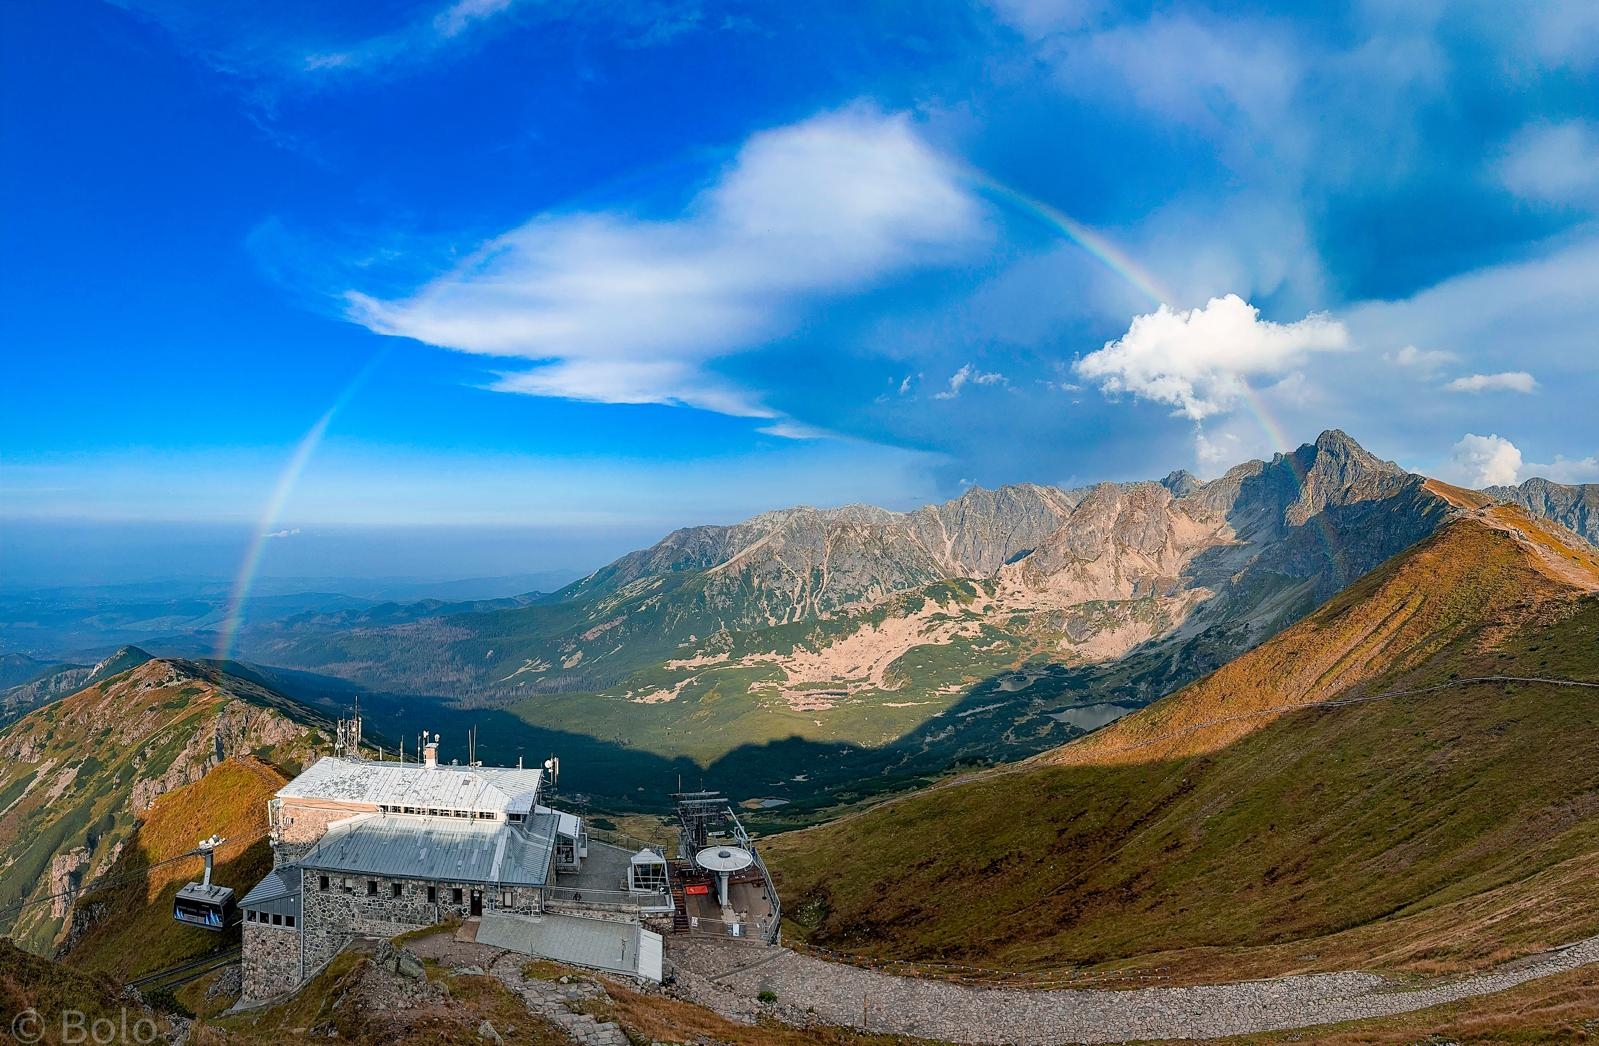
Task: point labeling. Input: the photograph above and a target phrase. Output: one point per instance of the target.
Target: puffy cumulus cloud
(1508, 381)
(1485, 461)
(1489, 461)
(616, 308)
(968, 374)
(1553, 163)
(1199, 361)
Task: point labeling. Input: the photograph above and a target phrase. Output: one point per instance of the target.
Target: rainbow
(244, 579)
(1120, 264)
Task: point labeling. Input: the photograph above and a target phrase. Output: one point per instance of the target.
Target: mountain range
(1398, 782)
(861, 648)
(991, 626)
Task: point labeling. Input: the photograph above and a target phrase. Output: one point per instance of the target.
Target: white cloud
(1485, 461)
(1508, 381)
(416, 40)
(1199, 361)
(283, 533)
(620, 309)
(968, 374)
(1488, 461)
(1553, 163)
(787, 428)
(1426, 360)
(1564, 469)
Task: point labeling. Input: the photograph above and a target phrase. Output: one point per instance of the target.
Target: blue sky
(590, 271)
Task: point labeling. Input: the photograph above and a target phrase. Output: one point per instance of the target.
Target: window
(288, 920)
(394, 890)
(433, 894)
(322, 882)
(249, 915)
(277, 920)
(514, 817)
(455, 895)
(371, 887)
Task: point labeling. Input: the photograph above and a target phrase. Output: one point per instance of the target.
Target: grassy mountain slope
(77, 775)
(1402, 832)
(125, 928)
(31, 982)
(59, 680)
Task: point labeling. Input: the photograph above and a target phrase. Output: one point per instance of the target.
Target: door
(477, 902)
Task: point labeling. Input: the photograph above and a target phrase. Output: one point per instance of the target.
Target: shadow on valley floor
(1007, 716)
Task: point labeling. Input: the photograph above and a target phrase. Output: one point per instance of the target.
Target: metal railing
(621, 839)
(616, 900)
(756, 931)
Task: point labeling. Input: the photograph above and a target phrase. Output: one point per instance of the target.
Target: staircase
(679, 908)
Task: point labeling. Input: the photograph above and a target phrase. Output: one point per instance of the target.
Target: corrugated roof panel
(408, 847)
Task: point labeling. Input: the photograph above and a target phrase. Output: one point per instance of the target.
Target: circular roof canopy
(724, 858)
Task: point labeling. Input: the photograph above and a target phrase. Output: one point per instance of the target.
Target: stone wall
(272, 958)
(332, 915)
(300, 825)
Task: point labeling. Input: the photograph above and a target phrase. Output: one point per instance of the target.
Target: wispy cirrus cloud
(1553, 163)
(302, 44)
(611, 307)
(968, 374)
(1508, 381)
(416, 40)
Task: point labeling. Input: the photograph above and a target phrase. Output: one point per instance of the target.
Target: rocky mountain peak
(1181, 483)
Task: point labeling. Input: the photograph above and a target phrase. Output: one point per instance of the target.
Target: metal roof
(279, 882)
(404, 846)
(569, 825)
(479, 789)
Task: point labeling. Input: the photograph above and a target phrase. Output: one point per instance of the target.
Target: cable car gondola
(202, 904)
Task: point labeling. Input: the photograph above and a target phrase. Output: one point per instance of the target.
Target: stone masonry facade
(276, 957)
(272, 961)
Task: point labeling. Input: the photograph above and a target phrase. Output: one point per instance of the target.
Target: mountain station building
(375, 849)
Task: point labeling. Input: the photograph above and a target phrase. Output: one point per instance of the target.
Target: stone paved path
(714, 974)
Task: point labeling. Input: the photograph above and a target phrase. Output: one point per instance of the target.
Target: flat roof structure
(403, 846)
(413, 787)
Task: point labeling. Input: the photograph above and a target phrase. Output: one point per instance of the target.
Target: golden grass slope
(1457, 593)
(1270, 818)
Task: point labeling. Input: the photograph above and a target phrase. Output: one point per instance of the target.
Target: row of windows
(253, 916)
(434, 811)
(395, 890)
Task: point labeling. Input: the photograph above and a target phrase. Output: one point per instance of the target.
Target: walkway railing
(621, 839)
(615, 900)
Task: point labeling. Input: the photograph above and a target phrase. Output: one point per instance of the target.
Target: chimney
(430, 753)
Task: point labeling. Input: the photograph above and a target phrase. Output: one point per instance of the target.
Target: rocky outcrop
(1575, 507)
(66, 875)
